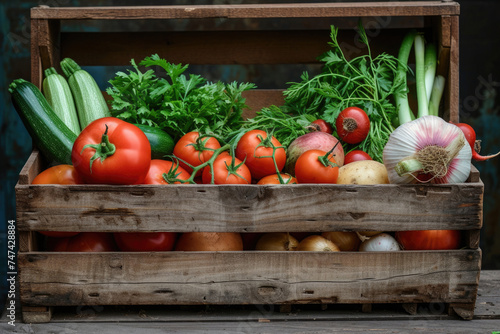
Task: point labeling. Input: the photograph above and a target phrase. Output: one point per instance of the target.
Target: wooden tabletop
(431, 318)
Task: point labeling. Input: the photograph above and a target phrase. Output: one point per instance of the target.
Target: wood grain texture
(454, 73)
(207, 47)
(33, 166)
(249, 208)
(413, 8)
(248, 277)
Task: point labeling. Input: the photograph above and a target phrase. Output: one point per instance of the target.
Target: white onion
(429, 133)
(382, 242)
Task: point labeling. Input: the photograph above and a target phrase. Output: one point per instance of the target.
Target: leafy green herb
(178, 103)
(285, 127)
(366, 82)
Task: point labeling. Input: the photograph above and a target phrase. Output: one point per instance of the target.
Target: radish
(312, 141)
(352, 125)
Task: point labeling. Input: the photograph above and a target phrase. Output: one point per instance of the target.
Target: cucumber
(161, 142)
(57, 92)
(89, 101)
(50, 135)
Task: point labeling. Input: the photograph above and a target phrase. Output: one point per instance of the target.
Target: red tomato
(429, 239)
(322, 125)
(314, 166)
(273, 179)
(227, 171)
(352, 125)
(159, 167)
(195, 150)
(60, 174)
(145, 241)
(256, 149)
(356, 155)
(83, 242)
(112, 151)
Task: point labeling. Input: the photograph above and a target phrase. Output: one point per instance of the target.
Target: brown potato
(363, 172)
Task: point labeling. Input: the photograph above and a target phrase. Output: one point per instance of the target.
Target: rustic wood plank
(48, 43)
(36, 63)
(488, 299)
(257, 99)
(28, 241)
(32, 167)
(414, 8)
(248, 277)
(37, 314)
(248, 208)
(217, 47)
(207, 47)
(454, 73)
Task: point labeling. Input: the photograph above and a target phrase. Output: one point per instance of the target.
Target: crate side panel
(249, 208)
(248, 277)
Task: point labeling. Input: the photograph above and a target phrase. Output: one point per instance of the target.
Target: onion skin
(412, 137)
(317, 243)
(345, 241)
(312, 141)
(277, 241)
(382, 242)
(209, 241)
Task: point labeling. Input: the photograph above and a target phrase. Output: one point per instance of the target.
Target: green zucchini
(89, 101)
(161, 142)
(50, 135)
(57, 92)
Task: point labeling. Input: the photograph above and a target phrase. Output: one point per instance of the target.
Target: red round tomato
(145, 241)
(83, 242)
(158, 169)
(195, 150)
(256, 148)
(356, 155)
(227, 170)
(429, 239)
(273, 179)
(112, 151)
(315, 166)
(60, 174)
(353, 125)
(322, 125)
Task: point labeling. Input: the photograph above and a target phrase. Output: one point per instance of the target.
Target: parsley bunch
(365, 82)
(177, 103)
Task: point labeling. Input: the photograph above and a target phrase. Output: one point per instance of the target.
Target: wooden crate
(185, 278)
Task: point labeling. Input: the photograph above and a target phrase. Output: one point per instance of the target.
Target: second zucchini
(89, 101)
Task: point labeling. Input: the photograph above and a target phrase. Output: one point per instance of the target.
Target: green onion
(437, 93)
(430, 61)
(401, 96)
(420, 75)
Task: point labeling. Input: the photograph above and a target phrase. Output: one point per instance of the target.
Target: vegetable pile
(349, 124)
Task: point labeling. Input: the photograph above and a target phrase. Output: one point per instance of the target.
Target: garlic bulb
(427, 149)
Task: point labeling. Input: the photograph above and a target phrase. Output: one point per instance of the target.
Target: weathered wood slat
(414, 8)
(217, 47)
(249, 208)
(248, 277)
(207, 47)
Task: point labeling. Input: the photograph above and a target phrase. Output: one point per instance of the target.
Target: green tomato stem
(103, 150)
